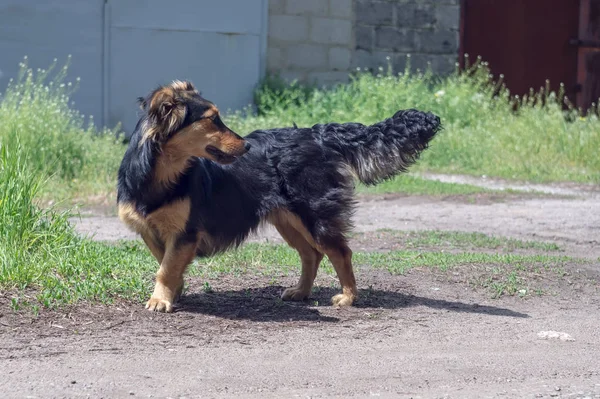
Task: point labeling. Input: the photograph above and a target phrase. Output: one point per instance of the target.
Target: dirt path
(419, 335)
(413, 336)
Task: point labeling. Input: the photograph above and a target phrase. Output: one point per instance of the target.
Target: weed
(55, 139)
(207, 288)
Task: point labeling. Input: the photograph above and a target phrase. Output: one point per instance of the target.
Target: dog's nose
(247, 146)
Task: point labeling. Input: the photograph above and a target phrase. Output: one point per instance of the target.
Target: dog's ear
(166, 113)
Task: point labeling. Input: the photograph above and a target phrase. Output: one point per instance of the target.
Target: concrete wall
(122, 49)
(45, 30)
(323, 40)
(310, 40)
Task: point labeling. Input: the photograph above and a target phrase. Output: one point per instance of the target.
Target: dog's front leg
(169, 279)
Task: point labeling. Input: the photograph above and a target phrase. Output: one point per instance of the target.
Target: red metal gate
(588, 42)
(528, 41)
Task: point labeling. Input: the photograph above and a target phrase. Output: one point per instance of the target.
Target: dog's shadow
(264, 304)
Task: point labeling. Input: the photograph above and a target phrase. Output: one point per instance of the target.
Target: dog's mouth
(220, 156)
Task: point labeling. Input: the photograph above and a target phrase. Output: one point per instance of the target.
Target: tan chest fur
(164, 223)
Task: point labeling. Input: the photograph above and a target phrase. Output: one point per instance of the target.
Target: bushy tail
(382, 150)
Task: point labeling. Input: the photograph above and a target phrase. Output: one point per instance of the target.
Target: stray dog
(191, 187)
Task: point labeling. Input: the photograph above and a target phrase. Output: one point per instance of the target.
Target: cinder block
(291, 28)
(340, 8)
(365, 37)
(438, 42)
(307, 7)
(309, 56)
(275, 59)
(389, 38)
(361, 59)
(369, 12)
(331, 31)
(411, 15)
(444, 64)
(448, 17)
(339, 58)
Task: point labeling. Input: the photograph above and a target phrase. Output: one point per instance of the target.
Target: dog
(190, 186)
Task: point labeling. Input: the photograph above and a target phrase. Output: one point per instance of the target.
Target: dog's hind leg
(169, 279)
(310, 257)
(341, 258)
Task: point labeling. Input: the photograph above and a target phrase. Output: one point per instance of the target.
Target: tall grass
(43, 261)
(36, 111)
(46, 150)
(541, 141)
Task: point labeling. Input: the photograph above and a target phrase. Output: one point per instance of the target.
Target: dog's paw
(159, 305)
(340, 300)
(294, 294)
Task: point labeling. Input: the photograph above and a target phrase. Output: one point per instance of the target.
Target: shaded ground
(423, 334)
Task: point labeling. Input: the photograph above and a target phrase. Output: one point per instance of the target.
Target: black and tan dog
(192, 187)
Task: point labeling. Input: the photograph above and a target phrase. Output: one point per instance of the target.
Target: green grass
(482, 135)
(500, 274)
(462, 240)
(273, 259)
(44, 262)
(410, 184)
(57, 142)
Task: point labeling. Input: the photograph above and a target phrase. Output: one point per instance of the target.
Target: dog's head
(179, 120)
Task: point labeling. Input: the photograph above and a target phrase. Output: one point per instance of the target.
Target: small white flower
(439, 93)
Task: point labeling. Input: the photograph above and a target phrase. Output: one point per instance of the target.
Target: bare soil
(420, 335)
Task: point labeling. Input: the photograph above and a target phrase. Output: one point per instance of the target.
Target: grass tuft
(460, 240)
(44, 262)
(415, 185)
(498, 273)
(36, 112)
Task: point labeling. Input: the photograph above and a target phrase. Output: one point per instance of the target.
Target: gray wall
(45, 30)
(425, 29)
(323, 40)
(311, 40)
(122, 49)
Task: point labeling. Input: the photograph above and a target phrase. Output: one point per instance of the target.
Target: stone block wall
(322, 41)
(310, 40)
(392, 29)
